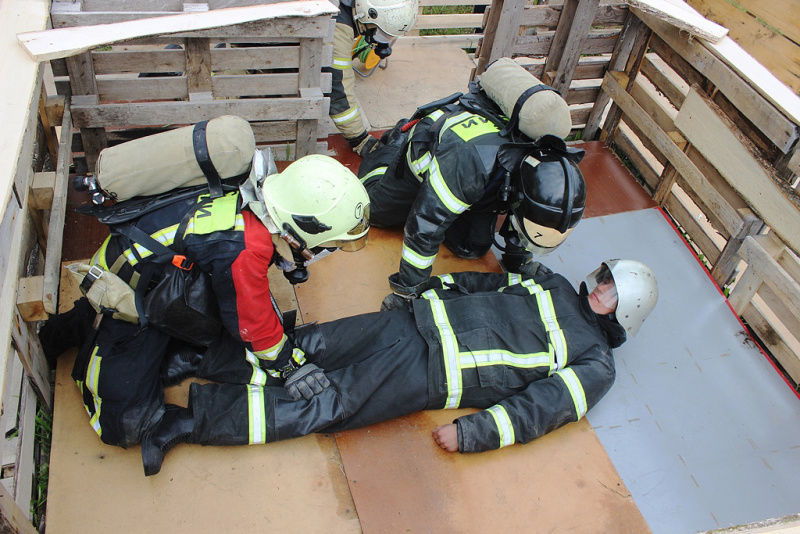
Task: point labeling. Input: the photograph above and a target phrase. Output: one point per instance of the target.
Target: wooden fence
(268, 72)
(709, 131)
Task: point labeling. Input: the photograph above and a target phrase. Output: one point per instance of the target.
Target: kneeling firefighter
(216, 242)
(378, 23)
(449, 171)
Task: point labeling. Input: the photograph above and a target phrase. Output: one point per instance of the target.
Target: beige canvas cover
(108, 291)
(545, 112)
(159, 163)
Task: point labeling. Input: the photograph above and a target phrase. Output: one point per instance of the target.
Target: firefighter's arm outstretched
(542, 407)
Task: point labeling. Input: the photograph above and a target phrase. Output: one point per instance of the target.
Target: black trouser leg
(378, 368)
(391, 197)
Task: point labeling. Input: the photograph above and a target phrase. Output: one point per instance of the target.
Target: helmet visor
(379, 36)
(359, 233)
(601, 286)
(540, 240)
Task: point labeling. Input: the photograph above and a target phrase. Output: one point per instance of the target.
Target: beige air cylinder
(545, 112)
(159, 163)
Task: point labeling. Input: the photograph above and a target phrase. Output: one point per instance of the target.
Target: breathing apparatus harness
(509, 156)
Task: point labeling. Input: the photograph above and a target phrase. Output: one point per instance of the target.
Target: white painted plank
(682, 16)
(64, 42)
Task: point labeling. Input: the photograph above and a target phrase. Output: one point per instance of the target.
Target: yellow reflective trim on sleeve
(575, 389)
(271, 353)
(298, 356)
(450, 201)
(415, 259)
(555, 334)
(420, 165)
(257, 416)
(446, 279)
(504, 426)
(342, 63)
(259, 377)
(378, 171)
(346, 116)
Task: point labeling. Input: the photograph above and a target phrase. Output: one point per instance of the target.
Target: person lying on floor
(530, 351)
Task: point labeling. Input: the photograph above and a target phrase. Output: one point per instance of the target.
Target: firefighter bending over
(380, 22)
(459, 163)
(315, 203)
(529, 351)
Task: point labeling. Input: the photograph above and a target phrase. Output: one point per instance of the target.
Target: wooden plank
(502, 28)
(121, 89)
(645, 163)
(139, 114)
(198, 65)
(83, 82)
(679, 210)
(668, 83)
(29, 298)
(725, 266)
(10, 254)
(654, 103)
(457, 40)
(685, 70)
(9, 420)
(12, 519)
(775, 112)
(263, 84)
(612, 85)
(156, 61)
(685, 18)
(41, 196)
(628, 37)
(597, 42)
(65, 42)
(58, 215)
(734, 157)
(461, 20)
(758, 258)
(270, 132)
(769, 31)
(32, 356)
(568, 41)
(25, 466)
(762, 323)
(547, 15)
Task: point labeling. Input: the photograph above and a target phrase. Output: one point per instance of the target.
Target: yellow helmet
(317, 202)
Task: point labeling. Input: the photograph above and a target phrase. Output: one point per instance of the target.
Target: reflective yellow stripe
(259, 377)
(346, 116)
(93, 384)
(99, 257)
(271, 353)
(485, 358)
(378, 171)
(575, 390)
(165, 236)
(554, 332)
(451, 121)
(450, 352)
(450, 201)
(446, 279)
(342, 63)
(257, 414)
(298, 356)
(218, 216)
(504, 426)
(420, 165)
(415, 259)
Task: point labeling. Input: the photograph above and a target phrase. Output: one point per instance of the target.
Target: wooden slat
(29, 298)
(763, 325)
(672, 86)
(687, 19)
(257, 109)
(678, 208)
(769, 31)
(612, 85)
(776, 121)
(733, 156)
(461, 20)
(547, 15)
(32, 356)
(65, 42)
(139, 61)
(568, 41)
(644, 162)
(757, 257)
(597, 42)
(58, 215)
(12, 516)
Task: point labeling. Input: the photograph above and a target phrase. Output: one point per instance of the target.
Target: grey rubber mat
(701, 427)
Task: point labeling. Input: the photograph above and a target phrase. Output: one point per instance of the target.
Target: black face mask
(614, 332)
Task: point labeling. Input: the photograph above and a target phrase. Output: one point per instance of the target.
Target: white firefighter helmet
(393, 18)
(636, 290)
(317, 202)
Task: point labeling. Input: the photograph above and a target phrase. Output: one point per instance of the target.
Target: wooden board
(733, 156)
(63, 42)
(682, 16)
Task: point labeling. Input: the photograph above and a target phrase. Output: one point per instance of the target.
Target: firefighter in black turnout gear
(457, 164)
(531, 352)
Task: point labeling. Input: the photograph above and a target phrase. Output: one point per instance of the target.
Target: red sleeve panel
(258, 323)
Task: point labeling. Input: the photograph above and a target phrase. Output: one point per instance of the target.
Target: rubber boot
(66, 330)
(180, 362)
(176, 426)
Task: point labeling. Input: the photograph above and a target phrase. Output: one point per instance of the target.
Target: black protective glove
(534, 268)
(393, 301)
(307, 381)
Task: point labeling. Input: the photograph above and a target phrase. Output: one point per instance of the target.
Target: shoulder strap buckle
(181, 262)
